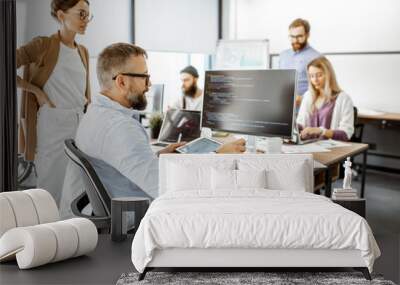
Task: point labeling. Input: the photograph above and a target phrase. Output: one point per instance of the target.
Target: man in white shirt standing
(109, 130)
(192, 97)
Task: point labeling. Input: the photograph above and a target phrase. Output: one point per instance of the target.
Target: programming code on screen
(257, 102)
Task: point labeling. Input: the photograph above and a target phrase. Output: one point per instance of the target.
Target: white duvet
(250, 219)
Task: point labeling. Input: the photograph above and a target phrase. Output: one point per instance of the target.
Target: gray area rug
(243, 278)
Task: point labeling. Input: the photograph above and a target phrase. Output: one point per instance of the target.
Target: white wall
(177, 25)
(371, 80)
(336, 26)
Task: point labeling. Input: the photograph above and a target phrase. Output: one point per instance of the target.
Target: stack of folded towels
(344, 194)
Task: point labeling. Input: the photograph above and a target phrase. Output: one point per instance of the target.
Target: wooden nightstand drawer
(356, 205)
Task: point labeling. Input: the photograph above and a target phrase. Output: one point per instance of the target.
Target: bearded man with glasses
(299, 56)
(110, 130)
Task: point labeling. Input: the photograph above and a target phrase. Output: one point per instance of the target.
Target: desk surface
(339, 154)
(336, 155)
(102, 266)
(384, 116)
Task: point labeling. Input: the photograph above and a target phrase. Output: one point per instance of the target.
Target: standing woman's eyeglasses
(84, 15)
(147, 76)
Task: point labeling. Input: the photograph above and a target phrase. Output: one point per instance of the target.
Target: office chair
(101, 196)
(26, 172)
(358, 128)
(95, 193)
(357, 138)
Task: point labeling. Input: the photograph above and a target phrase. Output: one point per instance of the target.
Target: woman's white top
(342, 117)
(66, 85)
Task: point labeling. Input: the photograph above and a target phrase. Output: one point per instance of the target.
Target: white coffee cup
(273, 145)
(206, 133)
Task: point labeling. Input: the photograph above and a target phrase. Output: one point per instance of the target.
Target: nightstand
(355, 205)
(120, 207)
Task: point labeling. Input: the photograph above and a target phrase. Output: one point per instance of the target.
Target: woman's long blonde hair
(331, 89)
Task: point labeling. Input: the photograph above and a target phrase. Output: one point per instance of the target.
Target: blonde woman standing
(56, 90)
(326, 112)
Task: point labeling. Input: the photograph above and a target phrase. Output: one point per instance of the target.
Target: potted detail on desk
(155, 123)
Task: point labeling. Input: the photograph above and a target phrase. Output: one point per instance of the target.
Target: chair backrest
(98, 196)
(289, 171)
(358, 128)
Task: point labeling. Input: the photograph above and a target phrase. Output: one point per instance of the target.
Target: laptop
(179, 125)
(298, 140)
(307, 141)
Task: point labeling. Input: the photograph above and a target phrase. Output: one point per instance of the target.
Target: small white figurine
(347, 174)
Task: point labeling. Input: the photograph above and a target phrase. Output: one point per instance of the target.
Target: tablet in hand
(200, 145)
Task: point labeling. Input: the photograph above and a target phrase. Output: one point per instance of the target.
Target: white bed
(214, 211)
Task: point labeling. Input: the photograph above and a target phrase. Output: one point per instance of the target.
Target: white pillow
(279, 179)
(226, 179)
(251, 178)
(223, 179)
(281, 173)
(186, 176)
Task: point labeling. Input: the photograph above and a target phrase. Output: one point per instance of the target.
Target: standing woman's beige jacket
(39, 58)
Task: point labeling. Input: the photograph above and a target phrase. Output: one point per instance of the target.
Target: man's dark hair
(190, 70)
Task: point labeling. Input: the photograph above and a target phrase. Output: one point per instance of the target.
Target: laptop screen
(180, 123)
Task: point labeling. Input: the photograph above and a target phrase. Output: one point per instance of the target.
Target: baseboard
(383, 169)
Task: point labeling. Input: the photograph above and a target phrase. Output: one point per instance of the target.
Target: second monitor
(154, 99)
(253, 102)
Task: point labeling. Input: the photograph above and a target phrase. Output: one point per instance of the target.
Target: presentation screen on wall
(242, 54)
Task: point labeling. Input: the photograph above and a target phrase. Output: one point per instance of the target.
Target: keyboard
(301, 142)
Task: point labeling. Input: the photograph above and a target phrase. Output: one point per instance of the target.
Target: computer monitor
(253, 102)
(180, 123)
(154, 99)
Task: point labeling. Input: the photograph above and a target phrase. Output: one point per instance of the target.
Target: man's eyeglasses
(147, 76)
(84, 16)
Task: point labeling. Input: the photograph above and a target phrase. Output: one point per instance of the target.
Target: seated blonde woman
(326, 112)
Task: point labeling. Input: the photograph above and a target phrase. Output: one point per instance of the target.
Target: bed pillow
(231, 180)
(278, 178)
(186, 176)
(281, 174)
(251, 178)
(223, 179)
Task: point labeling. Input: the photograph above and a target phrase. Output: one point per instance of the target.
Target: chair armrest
(78, 204)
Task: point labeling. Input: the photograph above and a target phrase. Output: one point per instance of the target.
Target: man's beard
(299, 46)
(191, 91)
(138, 102)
